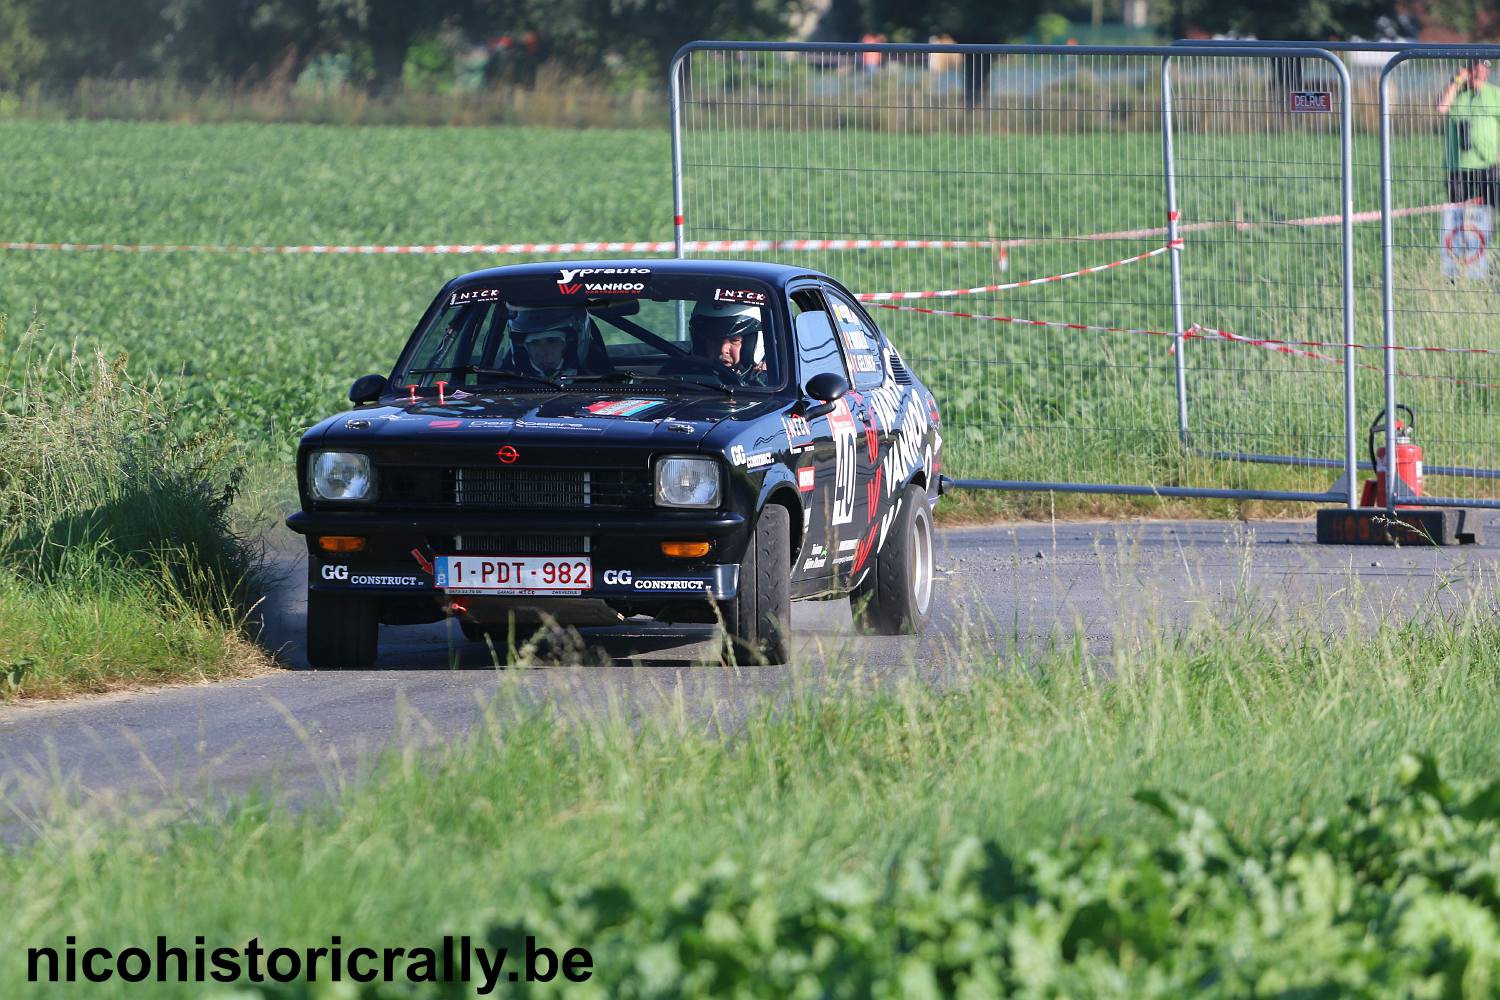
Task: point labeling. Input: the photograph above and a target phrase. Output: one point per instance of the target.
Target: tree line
(250, 41)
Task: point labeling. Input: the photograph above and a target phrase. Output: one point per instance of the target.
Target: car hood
(612, 418)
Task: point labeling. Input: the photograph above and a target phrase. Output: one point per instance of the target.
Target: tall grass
(808, 829)
(118, 561)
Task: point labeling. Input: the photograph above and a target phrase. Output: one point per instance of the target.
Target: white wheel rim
(921, 558)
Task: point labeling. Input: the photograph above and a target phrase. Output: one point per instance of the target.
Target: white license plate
(520, 575)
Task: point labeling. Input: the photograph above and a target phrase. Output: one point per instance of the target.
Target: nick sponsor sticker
(466, 295)
(746, 296)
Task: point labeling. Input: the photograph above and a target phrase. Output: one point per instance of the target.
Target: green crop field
(273, 342)
(270, 343)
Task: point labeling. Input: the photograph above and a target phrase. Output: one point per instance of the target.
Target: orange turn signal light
(685, 550)
(341, 543)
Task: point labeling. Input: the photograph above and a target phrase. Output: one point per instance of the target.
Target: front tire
(343, 632)
(895, 597)
(758, 621)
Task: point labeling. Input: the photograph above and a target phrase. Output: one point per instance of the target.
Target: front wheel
(758, 621)
(895, 597)
(343, 632)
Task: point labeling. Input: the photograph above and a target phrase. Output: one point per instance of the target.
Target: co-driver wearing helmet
(729, 334)
(547, 341)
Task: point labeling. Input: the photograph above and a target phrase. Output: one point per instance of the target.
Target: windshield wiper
(630, 377)
(497, 373)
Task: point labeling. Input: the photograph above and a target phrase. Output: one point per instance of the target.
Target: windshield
(576, 326)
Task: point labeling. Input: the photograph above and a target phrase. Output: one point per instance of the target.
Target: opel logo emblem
(507, 454)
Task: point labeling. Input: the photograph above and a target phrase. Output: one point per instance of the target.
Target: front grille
(517, 489)
(505, 488)
(519, 545)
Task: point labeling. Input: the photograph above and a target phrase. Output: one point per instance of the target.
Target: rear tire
(758, 621)
(895, 597)
(343, 632)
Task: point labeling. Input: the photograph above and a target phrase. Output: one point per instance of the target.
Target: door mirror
(367, 389)
(827, 388)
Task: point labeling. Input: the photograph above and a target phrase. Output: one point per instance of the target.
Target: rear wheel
(758, 621)
(895, 597)
(343, 632)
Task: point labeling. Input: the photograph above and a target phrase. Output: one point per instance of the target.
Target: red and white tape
(1057, 324)
(1238, 224)
(359, 250)
(691, 246)
(1294, 348)
(1007, 286)
(501, 249)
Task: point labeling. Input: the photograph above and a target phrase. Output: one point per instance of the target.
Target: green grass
(119, 564)
(831, 802)
(270, 344)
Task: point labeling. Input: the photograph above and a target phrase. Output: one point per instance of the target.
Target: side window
(454, 346)
(817, 346)
(489, 337)
(861, 343)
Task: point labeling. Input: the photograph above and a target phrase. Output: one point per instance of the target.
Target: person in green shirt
(1473, 133)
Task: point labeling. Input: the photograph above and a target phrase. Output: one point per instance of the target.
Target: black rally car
(694, 441)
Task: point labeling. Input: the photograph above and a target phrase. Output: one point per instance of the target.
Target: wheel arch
(780, 488)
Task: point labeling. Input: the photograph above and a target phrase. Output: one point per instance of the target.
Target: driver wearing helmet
(729, 334)
(548, 341)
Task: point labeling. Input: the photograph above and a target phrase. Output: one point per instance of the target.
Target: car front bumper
(627, 564)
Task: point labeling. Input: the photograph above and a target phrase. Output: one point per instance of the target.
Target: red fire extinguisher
(1408, 460)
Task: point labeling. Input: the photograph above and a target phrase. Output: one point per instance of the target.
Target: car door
(835, 496)
(869, 398)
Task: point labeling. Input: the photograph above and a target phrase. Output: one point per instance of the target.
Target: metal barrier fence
(1093, 254)
(1438, 292)
(1438, 296)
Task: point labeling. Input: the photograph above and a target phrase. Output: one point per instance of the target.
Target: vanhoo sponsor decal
(605, 280)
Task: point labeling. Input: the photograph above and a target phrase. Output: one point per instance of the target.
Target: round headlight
(687, 482)
(341, 475)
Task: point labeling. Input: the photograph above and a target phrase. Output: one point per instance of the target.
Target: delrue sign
(1315, 101)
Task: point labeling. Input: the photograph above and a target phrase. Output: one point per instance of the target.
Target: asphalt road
(1004, 592)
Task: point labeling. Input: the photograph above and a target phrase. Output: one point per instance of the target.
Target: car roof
(771, 273)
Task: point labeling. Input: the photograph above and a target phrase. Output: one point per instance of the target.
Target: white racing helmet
(535, 322)
(712, 322)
